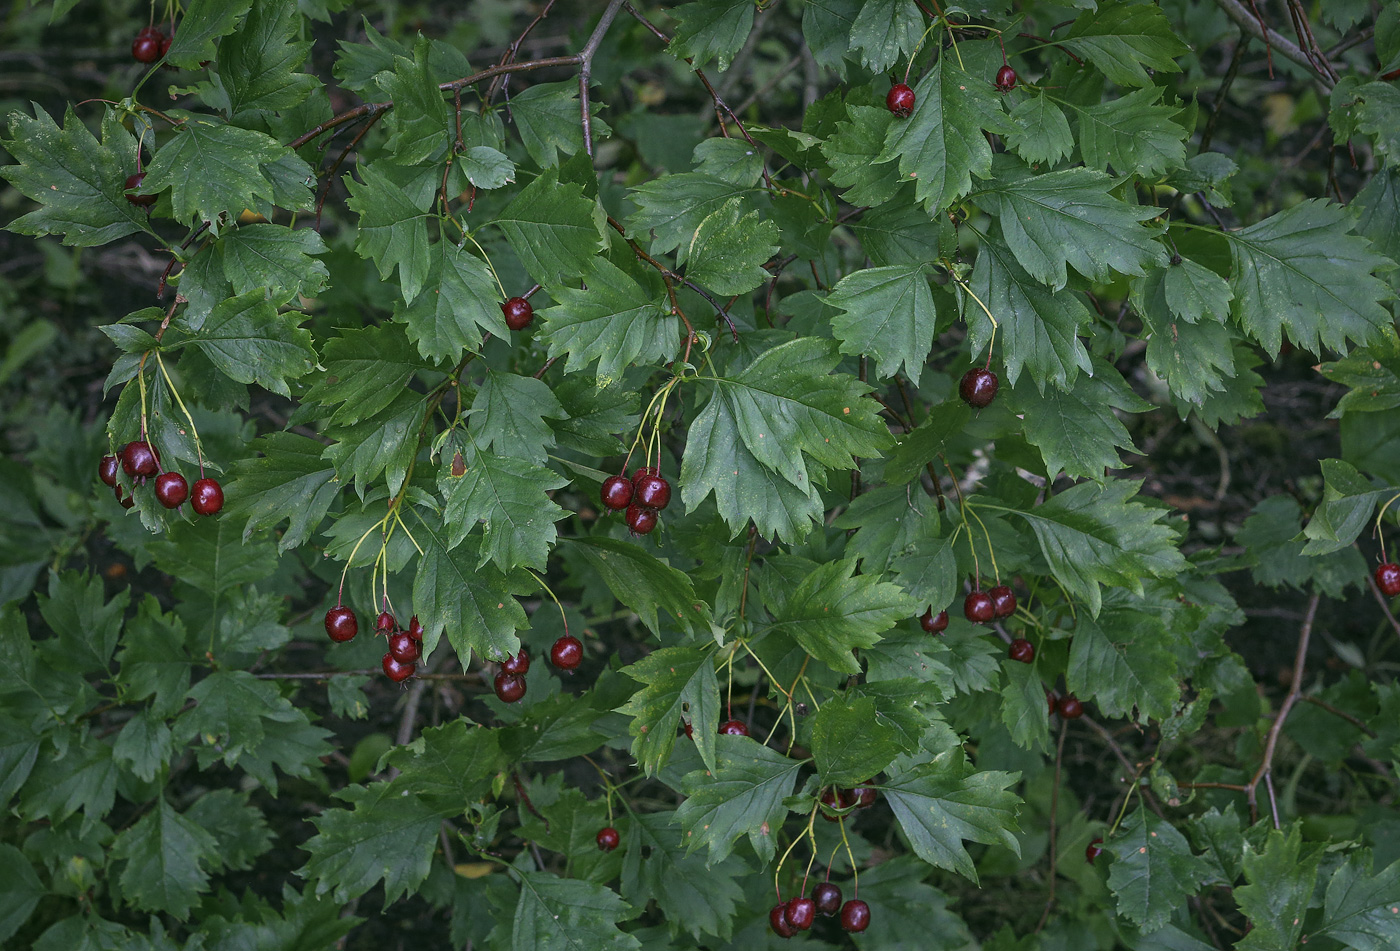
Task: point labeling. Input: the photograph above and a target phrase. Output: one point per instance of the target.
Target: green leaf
(645, 584)
(1069, 217)
(1134, 134)
(79, 779)
(486, 167)
(1123, 660)
(565, 914)
(714, 29)
(742, 796)
(287, 480)
(79, 183)
(1274, 546)
(274, 260)
(1077, 430)
(458, 301)
(678, 684)
(906, 912)
(1371, 373)
(168, 858)
(389, 837)
(236, 825)
(1302, 272)
(86, 623)
(671, 207)
(850, 742)
(457, 590)
(1153, 870)
(366, 368)
(922, 445)
(729, 248)
(230, 707)
(450, 766)
(904, 704)
(1378, 115)
(20, 890)
(547, 118)
(1023, 710)
(1124, 40)
(751, 443)
(826, 29)
(1348, 500)
(1183, 308)
(144, 745)
(614, 321)
(690, 895)
(831, 613)
(554, 229)
(887, 313)
(258, 61)
(230, 163)
(1359, 909)
(387, 443)
(509, 414)
(1279, 890)
(1039, 327)
(203, 22)
(1093, 535)
(1039, 132)
(510, 496)
(884, 31)
(393, 228)
(153, 658)
(942, 803)
(854, 152)
(249, 342)
(419, 120)
(1378, 212)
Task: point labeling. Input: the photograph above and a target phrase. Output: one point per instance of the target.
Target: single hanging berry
(134, 182)
(1092, 850)
(855, 915)
(1070, 707)
(608, 839)
(385, 622)
(567, 653)
(1003, 600)
(171, 489)
(1006, 79)
(617, 493)
(518, 313)
(415, 630)
(139, 460)
(934, 623)
(207, 497)
(404, 648)
(341, 624)
(107, 470)
(127, 501)
(978, 387)
(778, 921)
(509, 687)
(651, 491)
(1022, 650)
(900, 100)
(146, 47)
(396, 671)
(801, 912)
(827, 895)
(518, 663)
(640, 519)
(733, 728)
(978, 607)
(1388, 579)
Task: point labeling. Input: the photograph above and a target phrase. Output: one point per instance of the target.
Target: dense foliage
(540, 440)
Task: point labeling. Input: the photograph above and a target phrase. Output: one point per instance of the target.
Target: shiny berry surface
(733, 728)
(107, 470)
(801, 912)
(126, 501)
(641, 520)
(146, 47)
(1092, 850)
(1388, 579)
(827, 895)
(138, 459)
(171, 489)
(206, 497)
(509, 687)
(1003, 600)
(341, 624)
(385, 622)
(900, 100)
(518, 663)
(778, 921)
(134, 181)
(855, 915)
(1006, 79)
(978, 387)
(1022, 650)
(567, 653)
(396, 671)
(866, 796)
(934, 623)
(404, 648)
(978, 607)
(518, 313)
(652, 491)
(608, 838)
(415, 630)
(1070, 707)
(617, 492)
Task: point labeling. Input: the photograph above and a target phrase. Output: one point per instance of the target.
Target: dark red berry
(641, 520)
(165, 42)
(978, 387)
(855, 915)
(617, 492)
(171, 489)
(396, 671)
(146, 47)
(608, 838)
(1388, 579)
(415, 630)
(567, 652)
(342, 625)
(518, 663)
(404, 648)
(801, 912)
(107, 470)
(385, 622)
(133, 182)
(509, 687)
(127, 501)
(733, 728)
(207, 497)
(518, 313)
(865, 796)
(1006, 79)
(1070, 707)
(827, 895)
(778, 921)
(139, 459)
(652, 491)
(934, 623)
(835, 800)
(688, 729)
(1022, 650)
(1092, 851)
(1003, 600)
(978, 607)
(644, 471)
(900, 100)
(1050, 703)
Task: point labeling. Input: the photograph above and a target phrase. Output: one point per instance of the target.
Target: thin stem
(585, 72)
(1295, 691)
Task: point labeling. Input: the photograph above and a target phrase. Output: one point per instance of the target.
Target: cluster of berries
(405, 646)
(643, 496)
(797, 914)
(837, 801)
(900, 99)
(509, 683)
(150, 45)
(139, 461)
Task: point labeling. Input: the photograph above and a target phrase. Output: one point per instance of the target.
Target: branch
(1295, 690)
(585, 72)
(1246, 21)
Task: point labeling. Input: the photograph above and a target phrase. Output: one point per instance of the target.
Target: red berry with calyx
(855, 915)
(146, 47)
(171, 489)
(778, 921)
(801, 912)
(1388, 579)
(617, 492)
(978, 387)
(934, 623)
(509, 687)
(517, 663)
(395, 670)
(415, 630)
(978, 607)
(1022, 650)
(1006, 79)
(567, 653)
(107, 470)
(640, 519)
(733, 728)
(652, 491)
(1070, 707)
(1003, 600)
(341, 624)
(827, 895)
(134, 182)
(139, 460)
(518, 313)
(385, 622)
(404, 648)
(1092, 851)
(900, 100)
(127, 501)
(206, 497)
(608, 838)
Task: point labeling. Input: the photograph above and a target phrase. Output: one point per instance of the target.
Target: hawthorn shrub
(614, 475)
